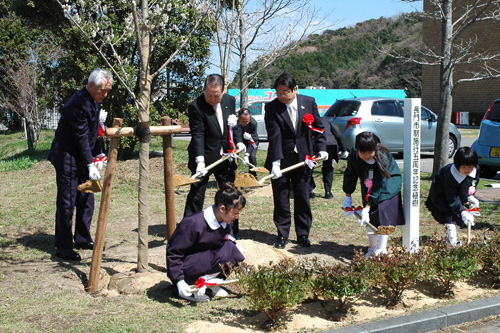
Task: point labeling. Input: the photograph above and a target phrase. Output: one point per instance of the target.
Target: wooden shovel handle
(290, 168)
(219, 161)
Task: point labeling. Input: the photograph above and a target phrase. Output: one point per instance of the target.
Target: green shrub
(339, 283)
(272, 288)
(449, 264)
(397, 272)
(489, 252)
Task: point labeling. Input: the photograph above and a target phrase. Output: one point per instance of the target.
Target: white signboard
(411, 177)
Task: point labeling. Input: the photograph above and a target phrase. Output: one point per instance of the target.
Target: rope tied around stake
(142, 132)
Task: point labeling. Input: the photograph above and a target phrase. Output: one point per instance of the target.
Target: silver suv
(384, 117)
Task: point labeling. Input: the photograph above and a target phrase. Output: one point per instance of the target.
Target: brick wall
(469, 96)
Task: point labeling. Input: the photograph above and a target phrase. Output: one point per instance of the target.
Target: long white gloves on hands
(365, 216)
(473, 200)
(93, 172)
(323, 154)
(467, 217)
(344, 154)
(347, 202)
(184, 288)
(200, 167)
(241, 146)
(247, 136)
(276, 170)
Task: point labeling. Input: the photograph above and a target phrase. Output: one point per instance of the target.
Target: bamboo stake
(168, 172)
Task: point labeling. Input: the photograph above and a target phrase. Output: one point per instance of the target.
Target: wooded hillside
(350, 58)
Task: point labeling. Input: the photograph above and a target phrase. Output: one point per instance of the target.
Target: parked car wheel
(487, 172)
(452, 146)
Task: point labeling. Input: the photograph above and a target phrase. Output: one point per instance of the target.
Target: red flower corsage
(308, 120)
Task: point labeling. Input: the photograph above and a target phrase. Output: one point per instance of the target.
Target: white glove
(347, 202)
(323, 154)
(344, 154)
(93, 172)
(200, 167)
(276, 171)
(241, 146)
(473, 200)
(246, 160)
(184, 288)
(365, 216)
(247, 136)
(467, 217)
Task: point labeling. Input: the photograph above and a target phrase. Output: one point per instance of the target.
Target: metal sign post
(411, 170)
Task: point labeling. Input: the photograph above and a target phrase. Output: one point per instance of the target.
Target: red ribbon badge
(201, 282)
(308, 119)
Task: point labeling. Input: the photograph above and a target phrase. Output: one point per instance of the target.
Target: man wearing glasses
(290, 141)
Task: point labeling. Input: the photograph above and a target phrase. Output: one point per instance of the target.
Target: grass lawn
(42, 293)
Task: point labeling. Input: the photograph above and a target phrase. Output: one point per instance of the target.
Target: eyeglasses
(283, 92)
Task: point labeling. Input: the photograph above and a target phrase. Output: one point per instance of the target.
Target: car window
(386, 108)
(424, 114)
(494, 114)
(255, 109)
(343, 109)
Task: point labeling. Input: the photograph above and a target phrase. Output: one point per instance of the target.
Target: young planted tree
(264, 29)
(457, 51)
(154, 34)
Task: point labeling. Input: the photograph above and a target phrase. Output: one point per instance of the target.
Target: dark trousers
(69, 198)
(252, 158)
(327, 168)
(196, 196)
(302, 215)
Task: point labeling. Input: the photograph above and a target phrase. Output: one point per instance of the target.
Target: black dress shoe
(84, 246)
(328, 195)
(68, 254)
(281, 242)
(304, 241)
(312, 195)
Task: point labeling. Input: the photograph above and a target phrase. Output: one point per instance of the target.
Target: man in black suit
(72, 154)
(290, 140)
(335, 145)
(210, 139)
(246, 131)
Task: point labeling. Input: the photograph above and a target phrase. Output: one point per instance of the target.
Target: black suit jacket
(333, 135)
(206, 135)
(77, 131)
(282, 136)
(250, 128)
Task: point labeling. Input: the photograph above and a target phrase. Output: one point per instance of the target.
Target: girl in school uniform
(381, 182)
(201, 243)
(453, 186)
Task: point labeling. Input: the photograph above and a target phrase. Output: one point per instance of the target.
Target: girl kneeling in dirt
(381, 182)
(453, 186)
(203, 241)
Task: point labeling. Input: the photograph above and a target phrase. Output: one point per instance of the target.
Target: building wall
(469, 96)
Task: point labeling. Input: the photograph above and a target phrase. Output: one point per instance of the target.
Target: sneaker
(217, 291)
(368, 254)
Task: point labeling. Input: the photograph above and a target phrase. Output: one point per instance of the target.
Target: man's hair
(214, 80)
(465, 156)
(285, 80)
(243, 111)
(98, 76)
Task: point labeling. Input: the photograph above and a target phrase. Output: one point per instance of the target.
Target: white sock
(382, 243)
(373, 239)
(451, 233)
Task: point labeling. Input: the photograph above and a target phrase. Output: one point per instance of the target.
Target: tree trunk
(446, 89)
(143, 100)
(243, 59)
(30, 134)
